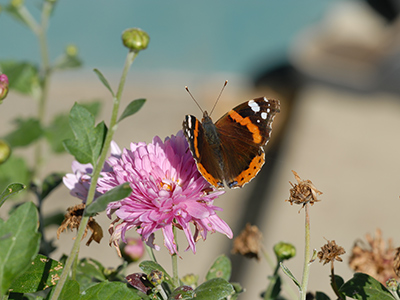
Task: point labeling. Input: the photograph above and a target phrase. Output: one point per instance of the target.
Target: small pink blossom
(133, 250)
(3, 86)
(167, 192)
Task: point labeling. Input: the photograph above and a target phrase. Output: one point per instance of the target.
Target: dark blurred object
(355, 46)
(389, 9)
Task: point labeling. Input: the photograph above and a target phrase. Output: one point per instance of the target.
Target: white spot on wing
(254, 106)
(264, 115)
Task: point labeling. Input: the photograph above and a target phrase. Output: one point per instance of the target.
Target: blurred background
(334, 65)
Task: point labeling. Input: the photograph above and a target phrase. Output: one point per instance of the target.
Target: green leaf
(221, 268)
(10, 190)
(27, 131)
(119, 192)
(274, 288)
(89, 139)
(216, 288)
(22, 76)
(14, 170)
(110, 290)
(183, 292)
(50, 183)
(104, 81)
(363, 286)
(290, 275)
(59, 129)
(66, 62)
(42, 273)
(148, 266)
(132, 108)
(238, 290)
(321, 296)
(19, 244)
(70, 291)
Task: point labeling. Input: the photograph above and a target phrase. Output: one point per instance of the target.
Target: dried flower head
(396, 262)
(73, 219)
(167, 192)
(374, 259)
(248, 242)
(303, 192)
(330, 252)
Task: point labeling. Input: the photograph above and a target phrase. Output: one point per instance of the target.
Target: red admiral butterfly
(231, 150)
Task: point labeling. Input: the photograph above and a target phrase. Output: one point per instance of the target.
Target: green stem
(333, 282)
(45, 74)
(96, 174)
(150, 252)
(174, 259)
(306, 268)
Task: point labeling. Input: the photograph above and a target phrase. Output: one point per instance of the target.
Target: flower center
(167, 185)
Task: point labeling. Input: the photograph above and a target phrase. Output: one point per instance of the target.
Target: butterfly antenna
(219, 96)
(187, 89)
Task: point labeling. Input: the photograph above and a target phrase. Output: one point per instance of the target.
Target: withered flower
(330, 252)
(396, 262)
(73, 219)
(303, 192)
(248, 242)
(375, 259)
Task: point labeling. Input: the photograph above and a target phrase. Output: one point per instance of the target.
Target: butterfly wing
(243, 132)
(205, 156)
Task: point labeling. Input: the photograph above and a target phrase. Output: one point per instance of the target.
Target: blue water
(195, 36)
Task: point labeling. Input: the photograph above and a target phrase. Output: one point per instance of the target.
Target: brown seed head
(375, 259)
(248, 242)
(303, 192)
(73, 219)
(330, 252)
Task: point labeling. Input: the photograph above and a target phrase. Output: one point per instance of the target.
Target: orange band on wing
(248, 174)
(196, 139)
(257, 138)
(214, 181)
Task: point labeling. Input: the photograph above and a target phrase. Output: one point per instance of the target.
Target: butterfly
(231, 150)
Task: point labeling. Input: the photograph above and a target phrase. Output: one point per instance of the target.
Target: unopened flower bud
(3, 86)
(135, 39)
(17, 3)
(284, 251)
(392, 285)
(190, 280)
(71, 50)
(5, 151)
(156, 277)
(133, 250)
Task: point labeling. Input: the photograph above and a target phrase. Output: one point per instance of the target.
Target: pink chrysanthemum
(79, 181)
(167, 191)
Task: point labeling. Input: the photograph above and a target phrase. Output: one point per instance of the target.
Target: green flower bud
(5, 151)
(190, 280)
(3, 86)
(392, 285)
(156, 277)
(284, 251)
(71, 50)
(135, 39)
(17, 3)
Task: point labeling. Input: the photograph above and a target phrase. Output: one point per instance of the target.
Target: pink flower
(167, 191)
(79, 181)
(3, 86)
